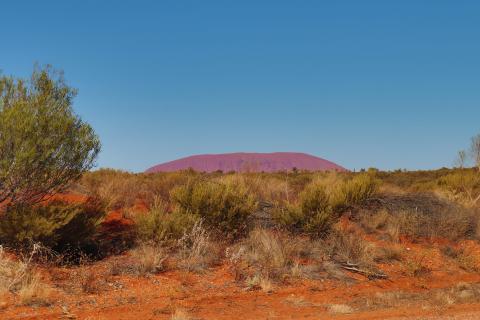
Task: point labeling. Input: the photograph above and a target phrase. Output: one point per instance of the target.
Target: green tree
(44, 145)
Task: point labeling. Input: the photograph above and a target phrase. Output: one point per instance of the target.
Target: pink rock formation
(253, 162)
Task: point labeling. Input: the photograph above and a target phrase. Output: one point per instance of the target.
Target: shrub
(160, 225)
(44, 145)
(317, 215)
(311, 214)
(57, 225)
(322, 201)
(462, 186)
(223, 205)
(452, 224)
(353, 192)
(116, 189)
(120, 189)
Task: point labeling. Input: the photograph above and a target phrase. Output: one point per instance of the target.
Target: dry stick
(371, 275)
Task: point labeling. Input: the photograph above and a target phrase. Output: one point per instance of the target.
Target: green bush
(319, 204)
(224, 205)
(311, 213)
(160, 225)
(353, 192)
(57, 225)
(44, 145)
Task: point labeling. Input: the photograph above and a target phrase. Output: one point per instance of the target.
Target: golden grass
(33, 291)
(149, 258)
(181, 314)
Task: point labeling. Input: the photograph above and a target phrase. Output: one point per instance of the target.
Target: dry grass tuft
(149, 259)
(259, 282)
(33, 291)
(89, 282)
(19, 277)
(416, 267)
(462, 257)
(387, 254)
(196, 251)
(348, 247)
(268, 253)
(181, 314)
(340, 309)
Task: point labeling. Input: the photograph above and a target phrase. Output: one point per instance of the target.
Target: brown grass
(196, 251)
(19, 277)
(465, 259)
(404, 216)
(33, 291)
(149, 259)
(181, 314)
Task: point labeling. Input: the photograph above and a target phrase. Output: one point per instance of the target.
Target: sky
(385, 84)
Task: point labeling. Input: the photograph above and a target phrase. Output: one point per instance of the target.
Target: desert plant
(439, 219)
(353, 192)
(259, 281)
(159, 225)
(181, 314)
(464, 258)
(463, 186)
(322, 201)
(33, 291)
(195, 250)
(44, 145)
(20, 277)
(149, 258)
(350, 248)
(265, 253)
(223, 205)
(311, 214)
(58, 225)
(117, 189)
(416, 267)
(386, 254)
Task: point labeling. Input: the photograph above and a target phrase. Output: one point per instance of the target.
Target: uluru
(251, 162)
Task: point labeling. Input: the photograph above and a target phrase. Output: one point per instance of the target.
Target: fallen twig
(369, 274)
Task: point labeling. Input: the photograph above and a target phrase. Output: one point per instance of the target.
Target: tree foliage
(58, 225)
(44, 145)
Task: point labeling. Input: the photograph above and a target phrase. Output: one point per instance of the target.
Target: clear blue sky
(388, 84)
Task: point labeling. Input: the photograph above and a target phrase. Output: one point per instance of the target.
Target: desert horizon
(214, 160)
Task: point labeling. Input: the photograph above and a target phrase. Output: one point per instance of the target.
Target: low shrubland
(195, 221)
(322, 202)
(451, 222)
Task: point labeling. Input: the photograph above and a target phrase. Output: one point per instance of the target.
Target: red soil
(216, 295)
